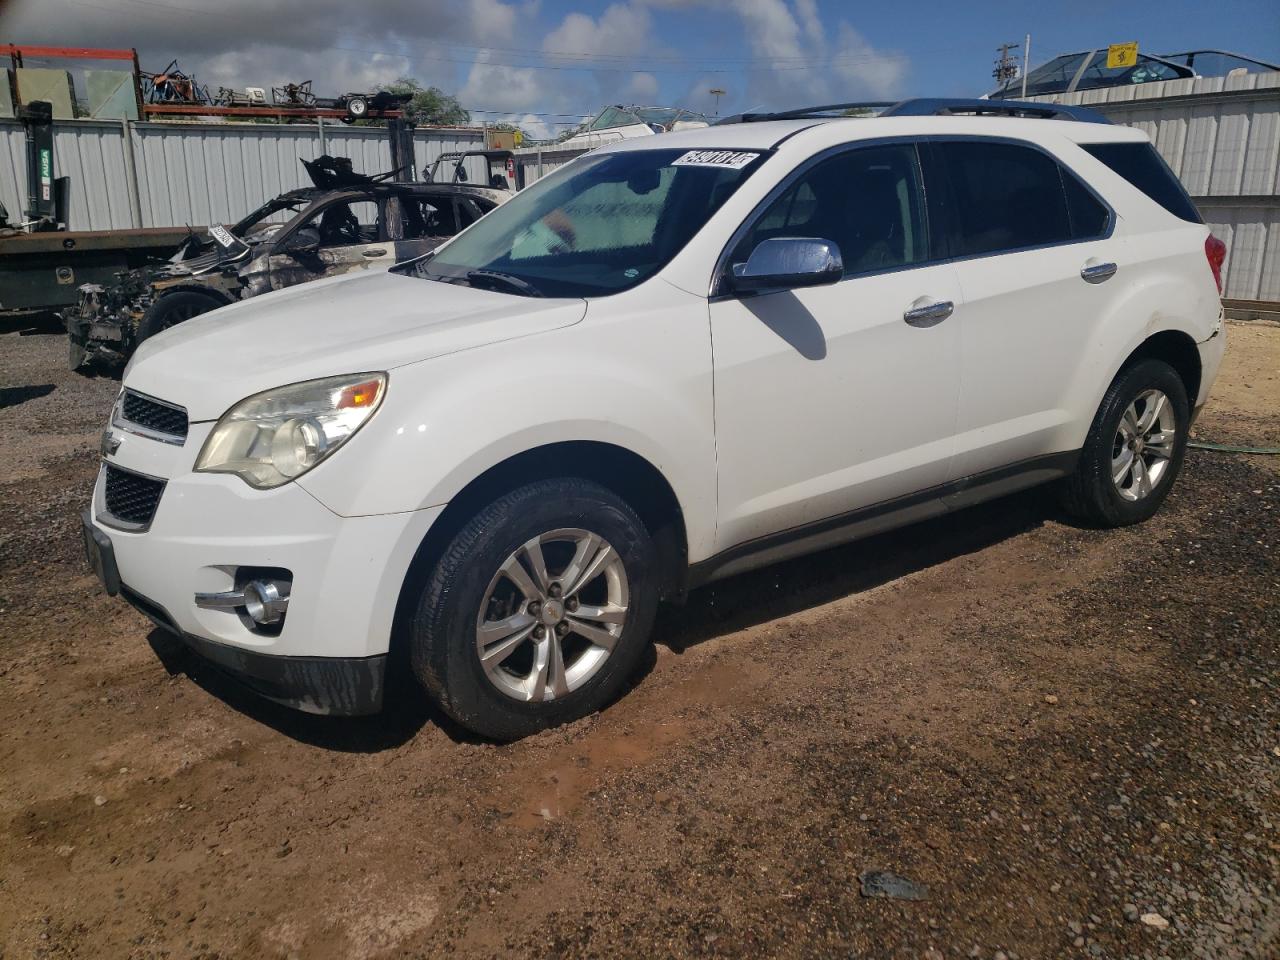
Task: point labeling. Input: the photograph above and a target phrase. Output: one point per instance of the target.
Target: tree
(431, 105)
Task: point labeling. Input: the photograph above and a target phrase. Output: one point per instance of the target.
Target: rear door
(1034, 255)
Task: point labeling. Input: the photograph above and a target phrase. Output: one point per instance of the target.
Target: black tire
(172, 309)
(1091, 493)
(443, 632)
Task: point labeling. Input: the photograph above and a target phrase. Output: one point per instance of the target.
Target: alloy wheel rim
(552, 615)
(1143, 446)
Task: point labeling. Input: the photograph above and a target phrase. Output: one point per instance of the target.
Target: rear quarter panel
(1164, 284)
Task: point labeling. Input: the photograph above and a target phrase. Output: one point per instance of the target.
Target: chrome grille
(131, 497)
(154, 415)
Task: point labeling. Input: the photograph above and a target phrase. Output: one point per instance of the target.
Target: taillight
(1215, 251)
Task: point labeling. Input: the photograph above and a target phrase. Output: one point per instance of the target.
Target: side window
(438, 218)
(1140, 164)
(1006, 197)
(1089, 218)
(469, 211)
(346, 223)
(1146, 70)
(868, 201)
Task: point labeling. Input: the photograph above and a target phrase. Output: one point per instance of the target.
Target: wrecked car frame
(367, 225)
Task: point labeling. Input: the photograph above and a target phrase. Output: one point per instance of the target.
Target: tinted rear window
(1142, 166)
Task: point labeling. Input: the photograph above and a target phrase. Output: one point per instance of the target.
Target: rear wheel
(1134, 450)
(538, 610)
(173, 309)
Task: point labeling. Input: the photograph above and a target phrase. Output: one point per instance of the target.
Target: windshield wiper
(494, 277)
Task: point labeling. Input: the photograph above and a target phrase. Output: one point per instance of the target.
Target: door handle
(1095, 271)
(377, 252)
(928, 314)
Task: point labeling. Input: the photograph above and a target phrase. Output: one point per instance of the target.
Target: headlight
(275, 436)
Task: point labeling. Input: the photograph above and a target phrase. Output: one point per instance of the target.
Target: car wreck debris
(347, 222)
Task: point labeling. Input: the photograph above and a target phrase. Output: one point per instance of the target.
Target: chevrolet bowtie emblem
(110, 443)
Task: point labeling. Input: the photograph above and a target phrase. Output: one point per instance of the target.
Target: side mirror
(460, 175)
(784, 262)
(303, 243)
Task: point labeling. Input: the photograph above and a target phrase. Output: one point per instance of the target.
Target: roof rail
(809, 113)
(928, 107)
(947, 107)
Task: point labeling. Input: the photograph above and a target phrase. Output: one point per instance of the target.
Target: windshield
(598, 226)
(1217, 63)
(1146, 70)
(1052, 77)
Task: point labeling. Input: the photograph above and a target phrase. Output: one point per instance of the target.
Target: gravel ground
(1066, 740)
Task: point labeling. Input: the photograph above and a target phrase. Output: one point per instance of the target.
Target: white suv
(670, 361)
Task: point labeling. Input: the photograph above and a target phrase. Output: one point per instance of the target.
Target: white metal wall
(200, 173)
(1221, 136)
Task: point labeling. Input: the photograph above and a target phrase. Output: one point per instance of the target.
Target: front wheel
(538, 610)
(1134, 450)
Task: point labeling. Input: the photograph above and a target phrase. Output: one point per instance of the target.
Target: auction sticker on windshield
(222, 235)
(731, 159)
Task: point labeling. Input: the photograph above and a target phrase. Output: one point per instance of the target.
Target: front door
(836, 398)
(350, 239)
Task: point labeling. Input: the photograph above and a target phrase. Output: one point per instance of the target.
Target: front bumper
(338, 686)
(329, 654)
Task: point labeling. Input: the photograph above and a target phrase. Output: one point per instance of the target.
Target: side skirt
(881, 517)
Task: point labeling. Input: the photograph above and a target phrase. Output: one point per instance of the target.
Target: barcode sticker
(731, 159)
(222, 235)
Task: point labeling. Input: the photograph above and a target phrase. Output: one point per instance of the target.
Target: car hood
(351, 324)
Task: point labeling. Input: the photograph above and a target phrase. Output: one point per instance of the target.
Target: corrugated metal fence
(1221, 136)
(199, 173)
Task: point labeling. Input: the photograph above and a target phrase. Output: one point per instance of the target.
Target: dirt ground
(1071, 737)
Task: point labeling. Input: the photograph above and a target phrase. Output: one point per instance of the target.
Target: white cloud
(622, 31)
(642, 88)
(492, 86)
(877, 75)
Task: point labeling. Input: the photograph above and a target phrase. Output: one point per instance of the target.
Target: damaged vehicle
(347, 222)
(500, 168)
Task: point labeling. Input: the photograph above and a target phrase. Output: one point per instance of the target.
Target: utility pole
(1026, 65)
(717, 93)
(1006, 65)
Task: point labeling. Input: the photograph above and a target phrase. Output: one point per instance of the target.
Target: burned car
(347, 222)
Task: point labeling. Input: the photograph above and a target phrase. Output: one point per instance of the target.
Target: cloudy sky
(546, 62)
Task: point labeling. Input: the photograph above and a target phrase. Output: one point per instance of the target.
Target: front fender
(636, 374)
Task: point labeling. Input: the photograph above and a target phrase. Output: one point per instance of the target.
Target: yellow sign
(1122, 55)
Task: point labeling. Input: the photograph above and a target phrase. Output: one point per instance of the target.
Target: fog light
(264, 602)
